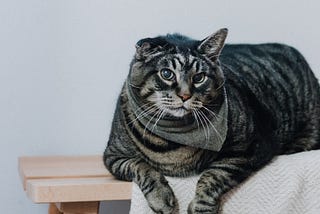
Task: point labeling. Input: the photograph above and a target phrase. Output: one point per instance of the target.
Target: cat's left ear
(147, 47)
(212, 45)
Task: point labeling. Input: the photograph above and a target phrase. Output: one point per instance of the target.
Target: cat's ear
(212, 45)
(147, 47)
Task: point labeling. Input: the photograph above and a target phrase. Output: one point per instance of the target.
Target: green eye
(166, 74)
(198, 78)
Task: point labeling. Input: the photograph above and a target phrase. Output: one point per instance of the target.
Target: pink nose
(184, 97)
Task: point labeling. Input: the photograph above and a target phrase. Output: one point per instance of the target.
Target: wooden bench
(70, 184)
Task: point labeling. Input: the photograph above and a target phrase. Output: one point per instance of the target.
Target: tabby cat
(201, 107)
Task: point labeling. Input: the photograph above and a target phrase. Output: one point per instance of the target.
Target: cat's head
(174, 75)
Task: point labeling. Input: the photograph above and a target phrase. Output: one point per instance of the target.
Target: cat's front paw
(162, 200)
(202, 206)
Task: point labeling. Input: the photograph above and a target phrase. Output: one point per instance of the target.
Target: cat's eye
(167, 74)
(198, 78)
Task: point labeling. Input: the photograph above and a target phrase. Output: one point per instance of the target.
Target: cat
(222, 111)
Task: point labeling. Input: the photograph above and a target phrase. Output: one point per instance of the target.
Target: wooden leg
(53, 209)
(79, 207)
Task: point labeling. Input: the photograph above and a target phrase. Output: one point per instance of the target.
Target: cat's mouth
(178, 111)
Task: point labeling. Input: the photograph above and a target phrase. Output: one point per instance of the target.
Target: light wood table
(70, 184)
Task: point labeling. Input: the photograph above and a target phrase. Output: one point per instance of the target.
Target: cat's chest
(182, 160)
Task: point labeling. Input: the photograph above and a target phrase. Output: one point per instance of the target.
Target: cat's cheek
(136, 74)
(155, 97)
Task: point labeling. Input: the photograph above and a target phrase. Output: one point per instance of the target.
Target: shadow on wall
(115, 207)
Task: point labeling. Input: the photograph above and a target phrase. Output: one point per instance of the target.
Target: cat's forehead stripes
(191, 63)
(179, 59)
(174, 62)
(194, 63)
(180, 62)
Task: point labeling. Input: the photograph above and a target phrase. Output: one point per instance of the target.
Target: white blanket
(289, 185)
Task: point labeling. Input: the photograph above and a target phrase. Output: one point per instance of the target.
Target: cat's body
(258, 100)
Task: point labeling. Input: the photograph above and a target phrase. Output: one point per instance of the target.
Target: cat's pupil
(167, 74)
(198, 78)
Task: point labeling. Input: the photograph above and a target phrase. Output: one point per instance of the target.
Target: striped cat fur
(271, 104)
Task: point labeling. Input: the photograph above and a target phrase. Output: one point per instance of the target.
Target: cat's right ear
(146, 47)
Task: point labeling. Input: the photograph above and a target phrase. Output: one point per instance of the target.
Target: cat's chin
(178, 112)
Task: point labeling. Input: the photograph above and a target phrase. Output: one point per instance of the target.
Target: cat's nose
(184, 97)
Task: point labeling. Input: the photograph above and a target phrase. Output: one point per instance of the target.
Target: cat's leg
(219, 178)
(225, 173)
(153, 184)
(156, 189)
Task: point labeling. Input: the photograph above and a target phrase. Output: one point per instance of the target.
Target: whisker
(221, 85)
(214, 114)
(196, 104)
(159, 118)
(207, 128)
(202, 124)
(207, 125)
(134, 86)
(166, 98)
(219, 135)
(144, 113)
(195, 116)
(141, 107)
(146, 126)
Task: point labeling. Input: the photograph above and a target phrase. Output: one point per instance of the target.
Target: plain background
(62, 64)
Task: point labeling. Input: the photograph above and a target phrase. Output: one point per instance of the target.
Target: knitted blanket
(288, 185)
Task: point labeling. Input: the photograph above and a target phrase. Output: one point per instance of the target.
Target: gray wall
(62, 63)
